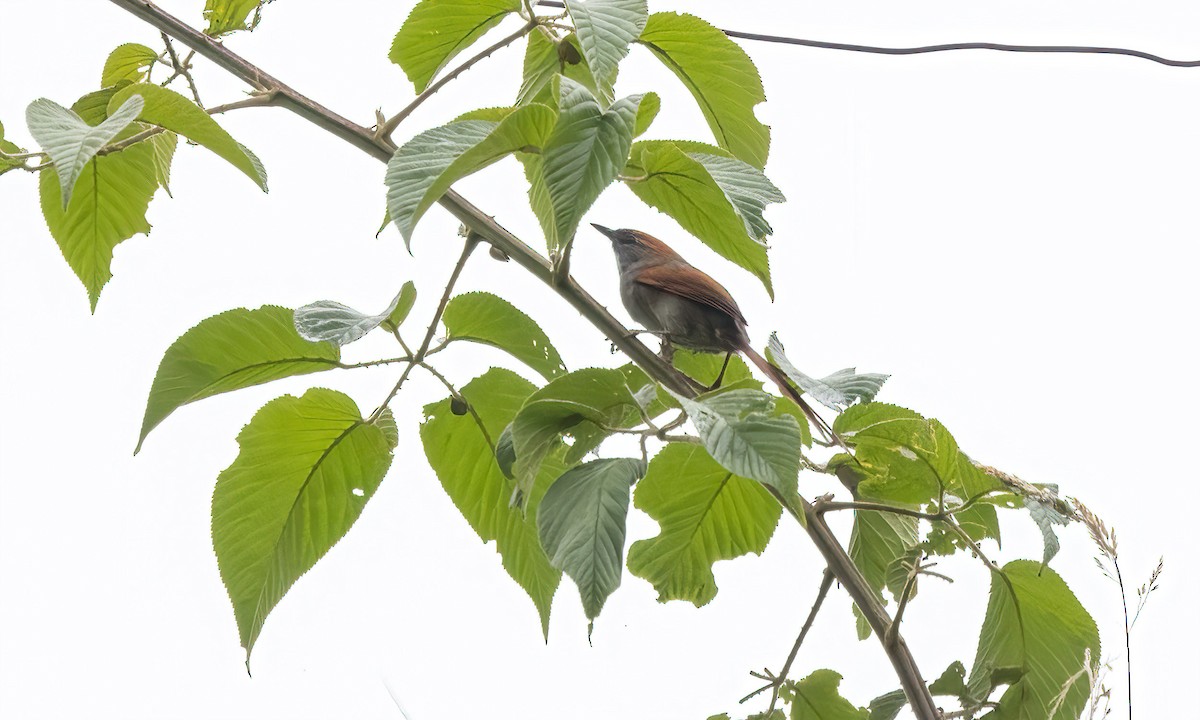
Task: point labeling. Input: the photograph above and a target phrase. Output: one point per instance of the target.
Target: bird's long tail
(785, 386)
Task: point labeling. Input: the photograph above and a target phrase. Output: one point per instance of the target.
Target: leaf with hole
(226, 16)
(719, 75)
(437, 30)
(490, 319)
(233, 350)
(462, 451)
(305, 469)
(581, 523)
(170, 110)
(70, 141)
(705, 513)
(817, 697)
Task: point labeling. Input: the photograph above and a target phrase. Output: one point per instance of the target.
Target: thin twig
(181, 68)
(920, 50)
(419, 356)
(386, 130)
(905, 593)
(826, 583)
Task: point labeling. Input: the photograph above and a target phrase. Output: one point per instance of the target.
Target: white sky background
(1012, 237)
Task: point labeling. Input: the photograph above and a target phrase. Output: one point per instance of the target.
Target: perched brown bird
(669, 297)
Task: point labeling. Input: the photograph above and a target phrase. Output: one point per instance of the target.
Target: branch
(923, 49)
(419, 357)
(778, 680)
(480, 224)
(381, 149)
(386, 130)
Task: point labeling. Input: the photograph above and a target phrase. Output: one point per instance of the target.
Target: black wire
(946, 47)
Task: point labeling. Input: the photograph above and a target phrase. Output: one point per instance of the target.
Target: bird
(671, 298)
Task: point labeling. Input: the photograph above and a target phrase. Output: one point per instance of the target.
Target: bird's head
(631, 246)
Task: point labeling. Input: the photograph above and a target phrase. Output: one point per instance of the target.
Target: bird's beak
(604, 231)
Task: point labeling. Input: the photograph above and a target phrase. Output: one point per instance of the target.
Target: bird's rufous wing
(686, 281)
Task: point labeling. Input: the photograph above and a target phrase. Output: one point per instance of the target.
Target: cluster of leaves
(521, 460)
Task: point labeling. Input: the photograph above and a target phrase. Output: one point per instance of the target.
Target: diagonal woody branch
(483, 225)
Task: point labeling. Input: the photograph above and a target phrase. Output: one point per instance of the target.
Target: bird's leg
(668, 350)
(721, 375)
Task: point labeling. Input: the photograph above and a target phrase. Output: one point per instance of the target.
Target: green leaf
(720, 76)
(681, 185)
(952, 681)
(11, 149)
(704, 367)
(741, 431)
(584, 153)
(164, 145)
(594, 395)
(333, 322)
(705, 514)
(226, 16)
(70, 141)
(168, 109)
(1046, 518)
(489, 319)
(129, 62)
(462, 454)
(816, 697)
(424, 168)
(305, 469)
(401, 309)
(647, 110)
(904, 458)
(108, 206)
(437, 30)
(837, 391)
(878, 541)
(887, 706)
(605, 29)
(1035, 624)
(581, 523)
(236, 349)
(545, 58)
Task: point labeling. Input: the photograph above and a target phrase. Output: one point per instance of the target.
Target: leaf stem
(385, 131)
